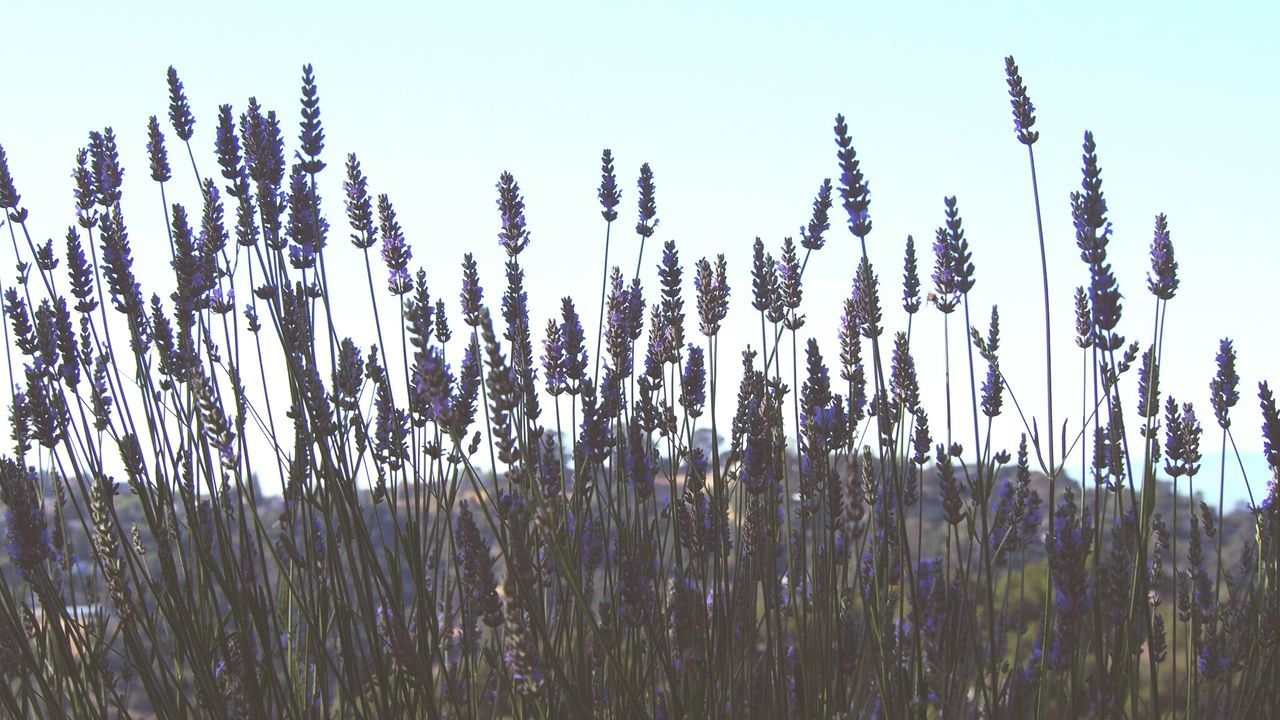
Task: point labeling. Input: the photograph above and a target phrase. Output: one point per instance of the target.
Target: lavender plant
(478, 525)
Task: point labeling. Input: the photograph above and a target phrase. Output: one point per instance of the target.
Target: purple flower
(395, 251)
(958, 248)
(1069, 543)
(179, 109)
(27, 527)
(9, 197)
(758, 446)
(359, 206)
(952, 504)
(1182, 439)
(575, 352)
(227, 144)
(553, 359)
(263, 146)
(1163, 279)
(811, 237)
(592, 545)
(713, 294)
(462, 409)
(903, 382)
(158, 156)
(618, 328)
(1093, 232)
(945, 294)
(84, 192)
(992, 391)
(311, 138)
(789, 289)
(648, 204)
(764, 277)
(307, 229)
(815, 393)
(1215, 653)
(349, 375)
(1104, 296)
(854, 189)
(472, 295)
(658, 347)
(432, 383)
(641, 466)
(669, 276)
(596, 439)
(117, 262)
(910, 279)
(514, 236)
(1023, 109)
(477, 568)
(1224, 390)
(920, 439)
(391, 428)
(107, 173)
(221, 302)
(609, 193)
(693, 386)
(1149, 384)
(1270, 426)
(635, 586)
(866, 300)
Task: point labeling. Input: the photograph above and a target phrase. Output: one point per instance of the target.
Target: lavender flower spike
(179, 109)
(1224, 390)
(811, 237)
(1023, 109)
(28, 532)
(514, 236)
(1270, 427)
(910, 279)
(648, 204)
(155, 151)
(395, 251)
(854, 190)
(693, 394)
(609, 193)
(359, 206)
(1163, 280)
(9, 197)
(1068, 554)
(311, 136)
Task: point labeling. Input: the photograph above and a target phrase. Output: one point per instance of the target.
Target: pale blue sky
(732, 103)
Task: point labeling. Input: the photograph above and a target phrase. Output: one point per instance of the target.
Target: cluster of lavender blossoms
(481, 514)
